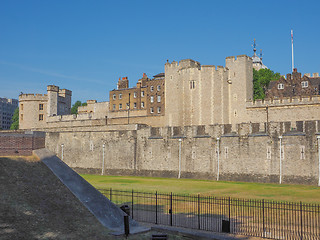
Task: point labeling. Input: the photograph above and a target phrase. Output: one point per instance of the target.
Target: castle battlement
(52, 88)
(285, 101)
(238, 58)
(65, 92)
(183, 64)
(293, 128)
(33, 97)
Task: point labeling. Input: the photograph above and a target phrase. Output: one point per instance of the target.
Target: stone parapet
(294, 101)
(33, 97)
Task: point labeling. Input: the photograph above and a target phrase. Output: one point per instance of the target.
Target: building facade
(7, 108)
(148, 95)
(186, 94)
(35, 109)
(294, 85)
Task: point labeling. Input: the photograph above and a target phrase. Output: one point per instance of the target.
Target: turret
(52, 107)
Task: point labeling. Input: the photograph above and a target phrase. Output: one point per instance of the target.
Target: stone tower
(240, 79)
(52, 105)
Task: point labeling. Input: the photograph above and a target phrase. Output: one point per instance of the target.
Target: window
(128, 106)
(40, 106)
(304, 84)
(158, 88)
(21, 117)
(226, 151)
(120, 95)
(40, 117)
(269, 152)
(302, 153)
(120, 106)
(151, 109)
(21, 106)
(159, 109)
(142, 93)
(151, 99)
(135, 95)
(151, 88)
(114, 107)
(159, 98)
(114, 96)
(192, 84)
(280, 86)
(135, 105)
(142, 104)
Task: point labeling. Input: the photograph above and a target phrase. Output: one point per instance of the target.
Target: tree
(15, 120)
(261, 80)
(74, 109)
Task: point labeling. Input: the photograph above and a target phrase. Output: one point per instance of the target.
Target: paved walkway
(108, 214)
(198, 234)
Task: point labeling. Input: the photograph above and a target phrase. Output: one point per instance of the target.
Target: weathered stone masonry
(250, 152)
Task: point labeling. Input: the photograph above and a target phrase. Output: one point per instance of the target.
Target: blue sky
(85, 46)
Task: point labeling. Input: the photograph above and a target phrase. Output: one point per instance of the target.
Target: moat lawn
(291, 193)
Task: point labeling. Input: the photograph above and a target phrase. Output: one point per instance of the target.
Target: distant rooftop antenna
(254, 47)
(292, 49)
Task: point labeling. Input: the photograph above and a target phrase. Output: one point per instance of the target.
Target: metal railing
(259, 218)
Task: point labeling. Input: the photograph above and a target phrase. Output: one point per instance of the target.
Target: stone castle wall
(247, 152)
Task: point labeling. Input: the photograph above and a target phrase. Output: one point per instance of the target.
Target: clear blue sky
(85, 46)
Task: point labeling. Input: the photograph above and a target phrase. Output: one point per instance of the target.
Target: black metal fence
(259, 218)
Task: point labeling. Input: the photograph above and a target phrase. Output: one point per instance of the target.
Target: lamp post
(318, 137)
(179, 174)
(62, 145)
(280, 163)
(103, 147)
(218, 158)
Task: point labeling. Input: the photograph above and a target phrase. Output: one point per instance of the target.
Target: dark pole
(267, 109)
(129, 108)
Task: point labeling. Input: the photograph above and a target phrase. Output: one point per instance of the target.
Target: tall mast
(292, 50)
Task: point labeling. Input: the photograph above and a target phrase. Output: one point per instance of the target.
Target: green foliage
(74, 109)
(15, 120)
(261, 80)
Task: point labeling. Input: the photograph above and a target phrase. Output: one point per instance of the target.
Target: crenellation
(53, 88)
(33, 97)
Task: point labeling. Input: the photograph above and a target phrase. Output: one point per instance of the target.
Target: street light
(280, 167)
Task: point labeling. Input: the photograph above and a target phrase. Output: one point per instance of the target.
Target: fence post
(301, 234)
(156, 207)
(170, 211)
(199, 211)
(111, 194)
(263, 226)
(229, 209)
(132, 204)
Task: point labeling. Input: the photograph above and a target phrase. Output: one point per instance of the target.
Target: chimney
(316, 74)
(307, 74)
(295, 70)
(144, 75)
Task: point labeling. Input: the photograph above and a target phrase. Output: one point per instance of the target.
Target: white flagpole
(292, 49)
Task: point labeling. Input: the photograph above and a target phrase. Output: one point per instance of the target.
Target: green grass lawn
(294, 193)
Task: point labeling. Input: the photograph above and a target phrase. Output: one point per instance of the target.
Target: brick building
(7, 107)
(147, 95)
(294, 85)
